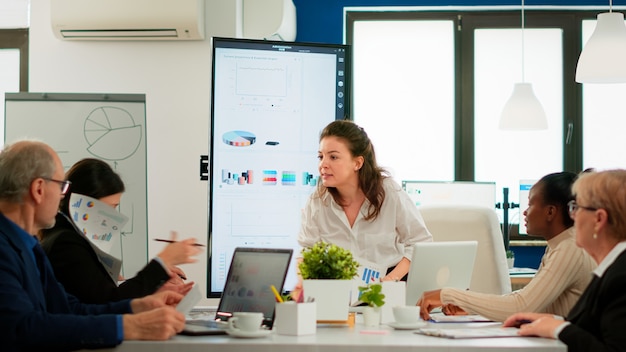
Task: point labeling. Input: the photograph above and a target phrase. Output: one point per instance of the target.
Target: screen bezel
(277, 46)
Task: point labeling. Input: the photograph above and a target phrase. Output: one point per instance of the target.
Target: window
(400, 86)
(605, 120)
(13, 65)
(506, 157)
(457, 124)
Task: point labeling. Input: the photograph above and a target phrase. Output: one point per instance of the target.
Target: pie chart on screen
(111, 133)
(239, 138)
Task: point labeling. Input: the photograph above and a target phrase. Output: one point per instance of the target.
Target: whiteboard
(110, 127)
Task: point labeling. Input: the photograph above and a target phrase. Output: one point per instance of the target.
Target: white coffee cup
(406, 314)
(245, 321)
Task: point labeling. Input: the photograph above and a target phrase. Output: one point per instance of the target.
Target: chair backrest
(464, 223)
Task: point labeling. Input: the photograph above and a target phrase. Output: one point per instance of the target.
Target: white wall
(176, 78)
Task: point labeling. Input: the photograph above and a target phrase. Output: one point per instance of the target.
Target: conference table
(343, 338)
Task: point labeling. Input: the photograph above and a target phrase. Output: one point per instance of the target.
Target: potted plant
(327, 261)
(327, 271)
(374, 298)
(510, 258)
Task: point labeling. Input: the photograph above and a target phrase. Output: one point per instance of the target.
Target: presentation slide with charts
(270, 101)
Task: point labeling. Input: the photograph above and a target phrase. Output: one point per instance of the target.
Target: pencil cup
(295, 318)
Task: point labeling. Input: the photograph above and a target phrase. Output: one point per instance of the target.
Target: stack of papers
(472, 318)
(522, 271)
(471, 333)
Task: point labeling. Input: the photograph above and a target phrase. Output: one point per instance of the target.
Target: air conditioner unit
(269, 19)
(128, 19)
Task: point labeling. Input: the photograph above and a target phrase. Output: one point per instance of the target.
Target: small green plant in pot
(327, 261)
(510, 258)
(328, 271)
(372, 295)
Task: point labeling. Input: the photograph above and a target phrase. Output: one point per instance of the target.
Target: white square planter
(371, 316)
(295, 318)
(332, 298)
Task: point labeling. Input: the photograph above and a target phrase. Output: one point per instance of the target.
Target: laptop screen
(436, 265)
(252, 271)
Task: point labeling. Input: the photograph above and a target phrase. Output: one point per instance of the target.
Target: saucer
(248, 334)
(400, 326)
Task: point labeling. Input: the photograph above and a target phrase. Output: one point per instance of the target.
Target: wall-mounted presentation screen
(270, 100)
(524, 190)
(451, 193)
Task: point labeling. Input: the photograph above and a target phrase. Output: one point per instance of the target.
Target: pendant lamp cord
(523, 70)
(610, 5)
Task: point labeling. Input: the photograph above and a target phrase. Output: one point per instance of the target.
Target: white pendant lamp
(603, 59)
(523, 111)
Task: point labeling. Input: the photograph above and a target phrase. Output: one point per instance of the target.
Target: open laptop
(251, 273)
(436, 265)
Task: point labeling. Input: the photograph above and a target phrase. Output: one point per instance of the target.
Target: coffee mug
(245, 321)
(406, 314)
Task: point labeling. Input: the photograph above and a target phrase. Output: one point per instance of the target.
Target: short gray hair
(21, 163)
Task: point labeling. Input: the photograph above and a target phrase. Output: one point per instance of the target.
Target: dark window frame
(17, 39)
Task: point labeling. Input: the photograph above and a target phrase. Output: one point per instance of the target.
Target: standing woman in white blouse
(357, 206)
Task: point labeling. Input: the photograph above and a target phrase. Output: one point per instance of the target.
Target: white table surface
(342, 338)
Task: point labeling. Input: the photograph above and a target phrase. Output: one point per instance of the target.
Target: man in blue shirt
(35, 311)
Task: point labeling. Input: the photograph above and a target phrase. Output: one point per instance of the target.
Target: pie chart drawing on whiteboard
(111, 133)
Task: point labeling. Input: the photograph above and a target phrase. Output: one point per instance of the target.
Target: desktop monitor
(451, 193)
(524, 190)
(270, 100)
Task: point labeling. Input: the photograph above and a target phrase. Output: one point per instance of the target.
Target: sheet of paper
(472, 318)
(522, 271)
(471, 333)
(112, 265)
(367, 273)
(395, 295)
(99, 222)
(190, 300)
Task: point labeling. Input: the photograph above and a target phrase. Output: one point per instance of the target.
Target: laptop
(247, 289)
(436, 265)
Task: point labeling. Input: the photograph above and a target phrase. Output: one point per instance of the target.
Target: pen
(279, 299)
(170, 241)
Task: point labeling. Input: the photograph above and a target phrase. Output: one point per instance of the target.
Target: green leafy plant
(287, 297)
(510, 254)
(372, 295)
(327, 261)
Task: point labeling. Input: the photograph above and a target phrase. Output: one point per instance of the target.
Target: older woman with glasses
(598, 321)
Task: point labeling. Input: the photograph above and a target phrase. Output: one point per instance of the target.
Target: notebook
(436, 265)
(251, 273)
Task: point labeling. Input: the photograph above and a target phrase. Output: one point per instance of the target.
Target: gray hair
(20, 164)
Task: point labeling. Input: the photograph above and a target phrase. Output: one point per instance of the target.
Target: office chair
(463, 223)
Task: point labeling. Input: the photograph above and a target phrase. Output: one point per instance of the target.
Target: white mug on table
(245, 321)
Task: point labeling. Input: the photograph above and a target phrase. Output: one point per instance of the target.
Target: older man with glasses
(36, 312)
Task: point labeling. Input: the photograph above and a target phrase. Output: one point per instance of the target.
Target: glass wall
(404, 95)
(604, 120)
(429, 87)
(9, 78)
(506, 157)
